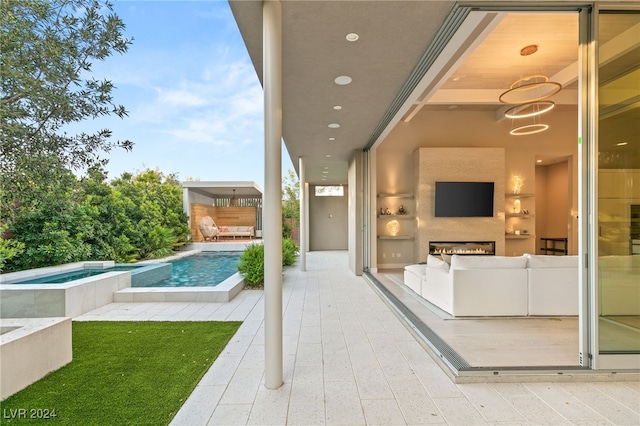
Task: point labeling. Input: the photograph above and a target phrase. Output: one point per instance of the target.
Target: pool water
(201, 270)
(65, 277)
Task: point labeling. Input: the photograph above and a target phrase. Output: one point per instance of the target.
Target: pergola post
(272, 212)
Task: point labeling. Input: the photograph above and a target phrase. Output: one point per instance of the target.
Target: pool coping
(223, 292)
(31, 349)
(7, 278)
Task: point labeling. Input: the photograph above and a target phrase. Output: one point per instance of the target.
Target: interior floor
(619, 333)
(522, 342)
(532, 342)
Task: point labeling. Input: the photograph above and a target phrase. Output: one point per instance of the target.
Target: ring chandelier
(530, 95)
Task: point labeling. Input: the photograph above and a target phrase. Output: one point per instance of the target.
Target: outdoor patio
(349, 360)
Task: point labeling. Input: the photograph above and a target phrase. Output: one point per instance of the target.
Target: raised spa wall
(67, 299)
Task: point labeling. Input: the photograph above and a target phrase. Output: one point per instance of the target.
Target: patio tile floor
(349, 360)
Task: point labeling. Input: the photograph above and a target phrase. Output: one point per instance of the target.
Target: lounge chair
(208, 228)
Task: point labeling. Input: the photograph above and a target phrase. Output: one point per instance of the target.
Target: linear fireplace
(463, 247)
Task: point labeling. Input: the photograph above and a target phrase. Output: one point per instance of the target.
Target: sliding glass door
(618, 190)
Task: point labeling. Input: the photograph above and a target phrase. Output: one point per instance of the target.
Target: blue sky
(195, 103)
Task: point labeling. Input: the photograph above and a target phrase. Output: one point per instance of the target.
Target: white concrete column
(272, 211)
(303, 214)
(306, 217)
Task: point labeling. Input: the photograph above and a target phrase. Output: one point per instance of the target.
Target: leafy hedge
(251, 264)
(75, 219)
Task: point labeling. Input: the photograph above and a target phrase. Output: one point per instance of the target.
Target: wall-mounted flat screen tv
(464, 199)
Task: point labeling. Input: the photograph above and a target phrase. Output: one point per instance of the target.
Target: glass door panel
(619, 183)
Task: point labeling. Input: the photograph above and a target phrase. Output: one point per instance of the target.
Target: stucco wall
(328, 221)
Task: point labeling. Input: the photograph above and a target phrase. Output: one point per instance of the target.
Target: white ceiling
(224, 188)
(393, 37)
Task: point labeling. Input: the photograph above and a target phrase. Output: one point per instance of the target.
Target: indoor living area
(498, 127)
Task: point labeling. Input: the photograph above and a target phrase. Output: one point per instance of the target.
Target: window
(329, 191)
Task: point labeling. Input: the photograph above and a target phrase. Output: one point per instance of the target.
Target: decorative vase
(517, 206)
(393, 227)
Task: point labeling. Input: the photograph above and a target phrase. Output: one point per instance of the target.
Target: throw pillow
(434, 262)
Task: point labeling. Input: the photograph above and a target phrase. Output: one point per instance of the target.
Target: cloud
(180, 98)
(220, 104)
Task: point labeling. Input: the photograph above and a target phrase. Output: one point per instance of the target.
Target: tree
(48, 48)
(52, 227)
(73, 219)
(290, 203)
(155, 211)
(291, 196)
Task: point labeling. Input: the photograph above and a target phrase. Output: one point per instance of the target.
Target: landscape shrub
(289, 252)
(251, 264)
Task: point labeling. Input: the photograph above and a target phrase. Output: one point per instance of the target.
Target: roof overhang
(411, 56)
(393, 37)
(224, 188)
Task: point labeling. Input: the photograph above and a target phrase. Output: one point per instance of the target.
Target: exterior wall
(328, 221)
(355, 195)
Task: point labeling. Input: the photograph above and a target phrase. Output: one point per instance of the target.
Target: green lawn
(123, 373)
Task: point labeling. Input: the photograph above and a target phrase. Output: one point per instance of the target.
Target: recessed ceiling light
(352, 37)
(328, 155)
(456, 78)
(343, 80)
(325, 172)
(326, 167)
(621, 143)
(334, 125)
(452, 106)
(538, 161)
(332, 139)
(337, 107)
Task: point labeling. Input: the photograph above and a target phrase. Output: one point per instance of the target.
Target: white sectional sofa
(553, 285)
(414, 276)
(498, 285)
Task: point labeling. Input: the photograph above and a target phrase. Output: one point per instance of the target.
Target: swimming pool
(65, 277)
(205, 269)
(215, 281)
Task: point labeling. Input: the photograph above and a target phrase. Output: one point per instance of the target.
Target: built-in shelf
(395, 216)
(517, 237)
(395, 195)
(396, 237)
(525, 241)
(523, 195)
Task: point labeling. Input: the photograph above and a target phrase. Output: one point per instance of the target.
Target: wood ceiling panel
(497, 62)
